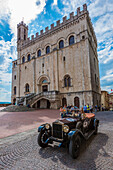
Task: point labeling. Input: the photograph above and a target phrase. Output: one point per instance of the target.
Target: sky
(38, 14)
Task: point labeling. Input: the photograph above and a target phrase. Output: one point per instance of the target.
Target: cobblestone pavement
(96, 153)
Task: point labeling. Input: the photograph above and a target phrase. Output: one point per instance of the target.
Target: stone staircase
(32, 98)
(23, 100)
(49, 95)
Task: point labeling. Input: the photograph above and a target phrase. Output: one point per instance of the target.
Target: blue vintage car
(69, 131)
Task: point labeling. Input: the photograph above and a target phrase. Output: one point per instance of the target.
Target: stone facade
(104, 100)
(111, 101)
(58, 66)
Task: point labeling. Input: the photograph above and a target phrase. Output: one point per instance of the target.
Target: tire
(96, 130)
(74, 146)
(42, 137)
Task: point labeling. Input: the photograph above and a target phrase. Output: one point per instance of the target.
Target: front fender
(73, 133)
(40, 128)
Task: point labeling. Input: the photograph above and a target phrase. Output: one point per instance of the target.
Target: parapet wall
(58, 26)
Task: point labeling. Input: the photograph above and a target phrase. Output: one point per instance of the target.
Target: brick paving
(96, 153)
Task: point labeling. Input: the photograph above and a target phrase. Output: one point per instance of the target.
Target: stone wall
(76, 60)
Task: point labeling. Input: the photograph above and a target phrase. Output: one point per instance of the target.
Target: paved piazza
(21, 151)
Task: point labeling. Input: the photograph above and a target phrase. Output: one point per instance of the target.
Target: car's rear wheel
(42, 137)
(74, 146)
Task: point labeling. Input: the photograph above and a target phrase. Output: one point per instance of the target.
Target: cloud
(106, 88)
(109, 76)
(55, 2)
(8, 53)
(72, 5)
(5, 95)
(99, 8)
(29, 9)
(105, 53)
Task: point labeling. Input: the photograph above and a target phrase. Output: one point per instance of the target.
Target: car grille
(57, 131)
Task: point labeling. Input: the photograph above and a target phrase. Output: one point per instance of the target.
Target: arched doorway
(48, 104)
(38, 104)
(76, 102)
(43, 84)
(14, 101)
(64, 101)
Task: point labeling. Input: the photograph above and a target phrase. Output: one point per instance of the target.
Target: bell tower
(22, 33)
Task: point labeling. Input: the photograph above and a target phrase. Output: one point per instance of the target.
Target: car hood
(71, 122)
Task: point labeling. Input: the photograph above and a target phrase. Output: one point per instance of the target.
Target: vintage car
(69, 131)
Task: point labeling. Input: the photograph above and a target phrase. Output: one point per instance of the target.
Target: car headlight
(47, 126)
(66, 128)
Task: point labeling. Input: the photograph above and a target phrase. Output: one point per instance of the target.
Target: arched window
(28, 57)
(23, 59)
(39, 53)
(27, 88)
(24, 34)
(14, 90)
(67, 81)
(71, 40)
(47, 49)
(61, 44)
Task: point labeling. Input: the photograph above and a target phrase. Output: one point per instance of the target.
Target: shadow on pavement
(90, 150)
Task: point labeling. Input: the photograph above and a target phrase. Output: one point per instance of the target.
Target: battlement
(23, 24)
(59, 24)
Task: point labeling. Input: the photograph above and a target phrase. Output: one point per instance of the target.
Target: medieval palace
(58, 66)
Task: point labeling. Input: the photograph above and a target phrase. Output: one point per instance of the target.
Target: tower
(22, 33)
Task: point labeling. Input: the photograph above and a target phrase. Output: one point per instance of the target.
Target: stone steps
(15, 108)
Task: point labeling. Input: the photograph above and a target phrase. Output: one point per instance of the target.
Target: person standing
(88, 109)
(85, 109)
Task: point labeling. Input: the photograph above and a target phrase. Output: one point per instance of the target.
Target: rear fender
(96, 122)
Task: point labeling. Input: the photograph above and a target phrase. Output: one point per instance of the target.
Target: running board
(90, 134)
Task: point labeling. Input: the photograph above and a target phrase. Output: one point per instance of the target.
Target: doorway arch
(14, 101)
(76, 102)
(64, 101)
(43, 83)
(48, 104)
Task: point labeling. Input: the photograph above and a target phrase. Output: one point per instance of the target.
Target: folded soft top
(90, 115)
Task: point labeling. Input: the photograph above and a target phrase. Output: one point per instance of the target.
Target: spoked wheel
(74, 146)
(42, 137)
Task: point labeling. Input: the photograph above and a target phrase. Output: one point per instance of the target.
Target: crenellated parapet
(22, 24)
(73, 19)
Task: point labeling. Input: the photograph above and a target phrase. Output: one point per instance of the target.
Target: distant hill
(5, 102)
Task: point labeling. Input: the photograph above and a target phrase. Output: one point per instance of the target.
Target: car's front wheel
(42, 137)
(74, 146)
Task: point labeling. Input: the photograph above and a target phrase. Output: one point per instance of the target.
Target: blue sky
(41, 13)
